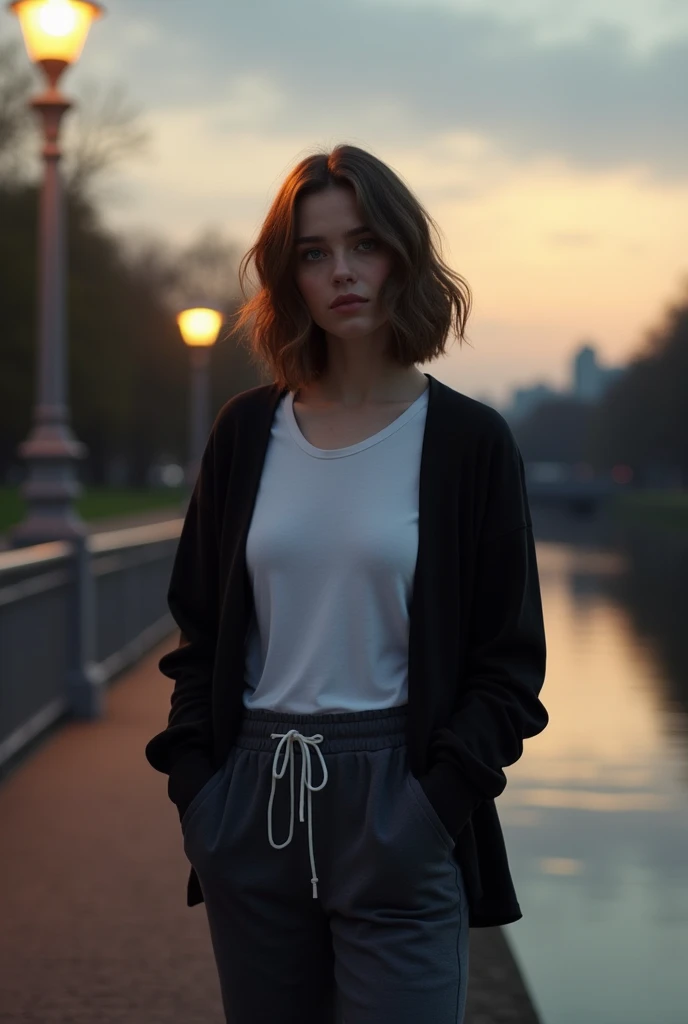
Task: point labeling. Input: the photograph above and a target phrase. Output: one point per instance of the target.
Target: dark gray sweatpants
(341, 904)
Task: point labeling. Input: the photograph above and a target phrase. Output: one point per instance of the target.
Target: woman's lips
(348, 307)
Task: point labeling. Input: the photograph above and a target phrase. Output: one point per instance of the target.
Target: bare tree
(205, 273)
(99, 132)
(152, 259)
(103, 132)
(17, 120)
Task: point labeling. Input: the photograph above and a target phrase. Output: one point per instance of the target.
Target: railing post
(85, 684)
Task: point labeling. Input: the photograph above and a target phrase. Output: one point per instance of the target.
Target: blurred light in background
(622, 474)
(55, 29)
(199, 326)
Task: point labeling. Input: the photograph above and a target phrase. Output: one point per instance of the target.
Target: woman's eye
(372, 242)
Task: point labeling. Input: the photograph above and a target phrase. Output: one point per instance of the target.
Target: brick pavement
(95, 927)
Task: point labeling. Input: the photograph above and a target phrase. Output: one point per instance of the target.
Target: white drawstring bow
(288, 739)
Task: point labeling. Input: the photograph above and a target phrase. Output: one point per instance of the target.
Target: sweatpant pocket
(428, 810)
(198, 799)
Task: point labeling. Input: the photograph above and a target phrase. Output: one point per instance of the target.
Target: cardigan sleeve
(183, 749)
(497, 703)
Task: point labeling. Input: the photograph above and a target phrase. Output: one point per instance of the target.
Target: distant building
(589, 382)
(526, 400)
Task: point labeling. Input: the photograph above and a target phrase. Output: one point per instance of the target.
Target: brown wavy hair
(422, 296)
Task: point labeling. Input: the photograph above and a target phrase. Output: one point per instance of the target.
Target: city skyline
(588, 379)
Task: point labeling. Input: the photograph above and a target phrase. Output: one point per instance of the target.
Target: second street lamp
(54, 34)
(199, 328)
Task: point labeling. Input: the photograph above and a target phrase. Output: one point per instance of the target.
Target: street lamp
(54, 34)
(199, 328)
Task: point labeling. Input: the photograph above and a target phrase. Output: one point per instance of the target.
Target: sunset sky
(549, 142)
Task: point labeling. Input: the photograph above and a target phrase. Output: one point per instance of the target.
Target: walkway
(95, 927)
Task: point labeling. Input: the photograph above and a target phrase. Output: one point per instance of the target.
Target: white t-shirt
(331, 554)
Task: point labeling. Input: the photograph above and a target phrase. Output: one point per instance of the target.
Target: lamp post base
(50, 488)
(41, 529)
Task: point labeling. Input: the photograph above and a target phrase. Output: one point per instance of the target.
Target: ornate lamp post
(54, 34)
(199, 328)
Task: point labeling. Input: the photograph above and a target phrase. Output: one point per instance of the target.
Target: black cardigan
(476, 659)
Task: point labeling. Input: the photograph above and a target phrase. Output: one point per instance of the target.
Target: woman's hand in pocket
(187, 778)
(447, 794)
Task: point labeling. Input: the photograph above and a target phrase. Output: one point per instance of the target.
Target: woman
(357, 593)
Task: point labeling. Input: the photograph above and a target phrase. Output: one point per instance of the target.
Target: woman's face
(339, 259)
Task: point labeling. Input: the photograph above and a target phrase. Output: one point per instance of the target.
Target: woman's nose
(341, 269)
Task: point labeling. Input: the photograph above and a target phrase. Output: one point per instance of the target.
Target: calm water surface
(595, 814)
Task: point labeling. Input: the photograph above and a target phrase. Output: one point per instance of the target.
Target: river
(595, 813)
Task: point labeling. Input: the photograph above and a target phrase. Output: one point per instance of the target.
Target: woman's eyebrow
(321, 238)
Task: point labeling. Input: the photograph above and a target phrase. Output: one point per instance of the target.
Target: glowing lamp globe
(199, 326)
(55, 30)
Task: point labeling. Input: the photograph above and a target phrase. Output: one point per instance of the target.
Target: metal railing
(72, 617)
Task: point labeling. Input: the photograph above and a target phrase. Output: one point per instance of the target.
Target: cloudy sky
(548, 139)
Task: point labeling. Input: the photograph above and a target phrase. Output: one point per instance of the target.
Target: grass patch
(96, 502)
(661, 508)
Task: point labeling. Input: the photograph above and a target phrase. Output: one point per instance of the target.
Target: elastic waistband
(378, 729)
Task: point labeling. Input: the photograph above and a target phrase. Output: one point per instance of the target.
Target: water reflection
(596, 813)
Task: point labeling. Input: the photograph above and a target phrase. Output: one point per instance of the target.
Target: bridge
(582, 495)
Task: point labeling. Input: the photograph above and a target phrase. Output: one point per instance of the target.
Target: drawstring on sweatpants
(288, 739)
